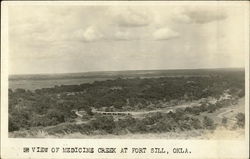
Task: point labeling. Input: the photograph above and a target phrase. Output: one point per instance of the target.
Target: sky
(82, 38)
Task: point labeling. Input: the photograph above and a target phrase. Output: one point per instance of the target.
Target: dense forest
(51, 106)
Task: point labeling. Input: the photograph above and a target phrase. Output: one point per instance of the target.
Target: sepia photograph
(126, 71)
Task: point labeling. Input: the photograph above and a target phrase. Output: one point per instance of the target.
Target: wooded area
(51, 106)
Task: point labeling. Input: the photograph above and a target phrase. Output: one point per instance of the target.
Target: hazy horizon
(59, 73)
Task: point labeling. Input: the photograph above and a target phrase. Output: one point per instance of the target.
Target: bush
(152, 118)
(125, 123)
(139, 127)
(240, 117)
(224, 121)
(241, 93)
(56, 116)
(178, 115)
(165, 126)
(208, 123)
(19, 120)
(13, 126)
(184, 125)
(211, 108)
(105, 123)
(196, 123)
(195, 110)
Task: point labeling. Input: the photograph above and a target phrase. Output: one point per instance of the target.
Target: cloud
(119, 35)
(165, 34)
(90, 34)
(129, 35)
(128, 17)
(205, 15)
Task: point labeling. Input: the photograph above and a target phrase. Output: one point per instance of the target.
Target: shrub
(240, 120)
(125, 123)
(241, 93)
(152, 118)
(195, 110)
(212, 108)
(140, 127)
(196, 123)
(208, 123)
(56, 116)
(105, 123)
(162, 127)
(184, 125)
(13, 126)
(224, 121)
(19, 120)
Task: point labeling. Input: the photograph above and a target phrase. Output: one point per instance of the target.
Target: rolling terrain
(167, 103)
